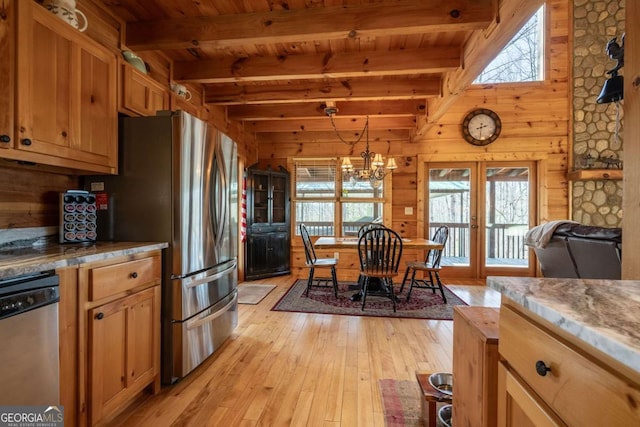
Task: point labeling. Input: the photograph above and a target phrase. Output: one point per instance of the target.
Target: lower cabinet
(122, 351)
(120, 314)
(549, 378)
(475, 365)
(267, 254)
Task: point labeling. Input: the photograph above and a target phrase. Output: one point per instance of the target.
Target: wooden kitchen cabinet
(475, 366)
(64, 97)
(7, 74)
(120, 305)
(141, 94)
(549, 378)
(122, 350)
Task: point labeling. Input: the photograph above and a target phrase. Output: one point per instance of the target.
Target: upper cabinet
(140, 94)
(64, 94)
(268, 197)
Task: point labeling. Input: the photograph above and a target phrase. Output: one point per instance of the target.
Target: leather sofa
(582, 251)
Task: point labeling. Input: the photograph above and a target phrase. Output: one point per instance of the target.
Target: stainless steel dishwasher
(29, 361)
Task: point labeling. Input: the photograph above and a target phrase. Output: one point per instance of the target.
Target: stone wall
(595, 22)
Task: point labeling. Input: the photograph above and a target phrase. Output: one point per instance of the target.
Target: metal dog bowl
(442, 381)
(444, 415)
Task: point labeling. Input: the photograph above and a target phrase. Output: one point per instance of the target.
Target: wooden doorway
(488, 207)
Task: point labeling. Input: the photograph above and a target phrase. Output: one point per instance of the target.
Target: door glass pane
(507, 216)
(449, 204)
(354, 215)
(260, 198)
(278, 198)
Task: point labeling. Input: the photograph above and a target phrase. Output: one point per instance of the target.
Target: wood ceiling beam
(314, 23)
(360, 89)
(324, 124)
(478, 52)
(387, 108)
(390, 135)
(318, 66)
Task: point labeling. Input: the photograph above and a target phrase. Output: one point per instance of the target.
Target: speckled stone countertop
(26, 260)
(602, 313)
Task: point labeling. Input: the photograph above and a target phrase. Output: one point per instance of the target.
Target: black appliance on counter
(78, 219)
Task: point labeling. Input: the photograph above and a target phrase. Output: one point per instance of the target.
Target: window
(522, 58)
(330, 205)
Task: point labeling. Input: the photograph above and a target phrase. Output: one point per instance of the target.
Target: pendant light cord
(365, 129)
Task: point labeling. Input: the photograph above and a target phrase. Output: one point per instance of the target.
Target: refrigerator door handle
(194, 323)
(213, 277)
(220, 189)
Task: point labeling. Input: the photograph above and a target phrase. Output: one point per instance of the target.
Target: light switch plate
(408, 210)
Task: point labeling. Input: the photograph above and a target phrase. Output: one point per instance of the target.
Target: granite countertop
(602, 313)
(16, 261)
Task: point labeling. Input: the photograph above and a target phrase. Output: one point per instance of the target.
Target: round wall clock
(481, 127)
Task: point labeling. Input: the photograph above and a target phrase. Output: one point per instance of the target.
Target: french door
(488, 207)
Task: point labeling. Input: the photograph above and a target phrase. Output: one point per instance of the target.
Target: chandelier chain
(366, 128)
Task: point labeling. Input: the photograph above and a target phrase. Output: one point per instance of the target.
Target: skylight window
(522, 58)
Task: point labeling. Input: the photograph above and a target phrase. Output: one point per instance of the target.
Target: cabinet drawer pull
(100, 316)
(134, 275)
(5, 138)
(541, 368)
(26, 141)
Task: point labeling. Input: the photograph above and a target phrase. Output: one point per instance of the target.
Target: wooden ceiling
(277, 64)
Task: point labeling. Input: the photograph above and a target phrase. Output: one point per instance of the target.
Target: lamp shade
(377, 160)
(391, 164)
(346, 164)
(612, 90)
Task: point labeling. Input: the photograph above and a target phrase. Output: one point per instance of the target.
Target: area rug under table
(401, 403)
(424, 304)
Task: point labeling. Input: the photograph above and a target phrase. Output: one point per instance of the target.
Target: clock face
(481, 127)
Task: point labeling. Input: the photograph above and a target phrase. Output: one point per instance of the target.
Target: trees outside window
(522, 58)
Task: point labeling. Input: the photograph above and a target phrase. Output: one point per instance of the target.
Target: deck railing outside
(504, 241)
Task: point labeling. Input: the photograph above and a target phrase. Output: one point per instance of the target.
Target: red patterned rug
(401, 403)
(424, 304)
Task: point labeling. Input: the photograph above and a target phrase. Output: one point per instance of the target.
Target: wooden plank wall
(535, 120)
(29, 197)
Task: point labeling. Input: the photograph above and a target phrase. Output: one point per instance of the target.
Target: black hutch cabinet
(268, 240)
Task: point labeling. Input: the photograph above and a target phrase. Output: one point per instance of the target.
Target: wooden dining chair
(314, 262)
(379, 252)
(369, 226)
(430, 267)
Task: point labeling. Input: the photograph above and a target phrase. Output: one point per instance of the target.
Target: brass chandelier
(373, 169)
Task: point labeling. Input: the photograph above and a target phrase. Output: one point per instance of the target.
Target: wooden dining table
(352, 243)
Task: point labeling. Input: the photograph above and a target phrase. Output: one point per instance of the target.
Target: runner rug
(401, 403)
(424, 304)
(253, 294)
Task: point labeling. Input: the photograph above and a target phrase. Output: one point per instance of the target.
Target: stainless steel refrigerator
(178, 183)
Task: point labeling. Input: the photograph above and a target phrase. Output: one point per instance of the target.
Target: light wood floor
(295, 369)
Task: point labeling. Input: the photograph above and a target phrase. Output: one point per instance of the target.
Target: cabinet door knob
(5, 138)
(542, 368)
(134, 275)
(26, 141)
(99, 316)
